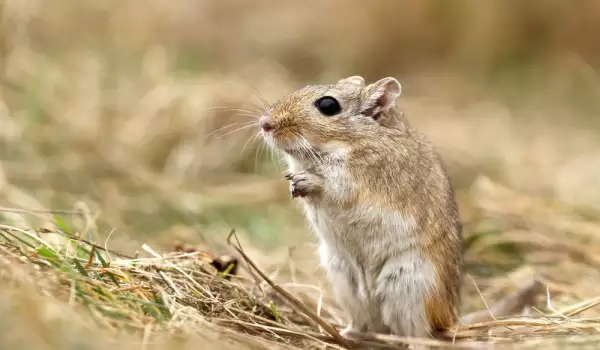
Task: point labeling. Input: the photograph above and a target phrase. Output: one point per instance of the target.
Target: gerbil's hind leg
(346, 286)
(402, 292)
(358, 317)
(510, 305)
(304, 183)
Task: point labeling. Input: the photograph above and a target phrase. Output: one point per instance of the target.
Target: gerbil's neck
(318, 160)
(296, 165)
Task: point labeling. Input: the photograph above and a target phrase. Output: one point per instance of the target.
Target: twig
(290, 298)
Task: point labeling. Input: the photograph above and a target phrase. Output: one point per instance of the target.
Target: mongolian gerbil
(377, 195)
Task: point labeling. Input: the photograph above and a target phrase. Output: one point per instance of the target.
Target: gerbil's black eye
(328, 106)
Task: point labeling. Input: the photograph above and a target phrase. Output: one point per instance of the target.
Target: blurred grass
(129, 110)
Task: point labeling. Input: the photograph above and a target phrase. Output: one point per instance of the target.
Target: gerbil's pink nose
(265, 123)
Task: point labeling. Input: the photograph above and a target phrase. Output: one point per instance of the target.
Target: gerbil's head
(320, 120)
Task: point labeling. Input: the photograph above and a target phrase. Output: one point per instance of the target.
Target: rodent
(380, 201)
(377, 195)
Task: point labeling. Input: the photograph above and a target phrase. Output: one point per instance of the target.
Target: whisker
(258, 110)
(230, 126)
(310, 150)
(244, 127)
(301, 147)
(250, 140)
(282, 157)
(222, 128)
(253, 116)
(255, 92)
(272, 159)
(241, 125)
(256, 156)
(247, 112)
(260, 96)
(273, 155)
(310, 155)
(318, 155)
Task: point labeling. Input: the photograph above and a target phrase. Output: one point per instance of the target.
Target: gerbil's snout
(278, 132)
(265, 123)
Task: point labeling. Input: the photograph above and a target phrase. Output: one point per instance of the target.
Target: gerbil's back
(401, 172)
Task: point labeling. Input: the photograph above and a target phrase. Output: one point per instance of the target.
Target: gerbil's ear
(380, 96)
(354, 80)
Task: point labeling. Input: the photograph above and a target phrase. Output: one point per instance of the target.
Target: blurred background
(132, 110)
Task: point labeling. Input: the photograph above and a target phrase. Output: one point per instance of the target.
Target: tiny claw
(293, 191)
(297, 193)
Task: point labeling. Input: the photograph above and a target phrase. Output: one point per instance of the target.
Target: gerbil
(380, 201)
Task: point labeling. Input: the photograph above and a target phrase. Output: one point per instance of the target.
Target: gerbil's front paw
(303, 183)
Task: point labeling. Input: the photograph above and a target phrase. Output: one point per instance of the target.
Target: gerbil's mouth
(275, 143)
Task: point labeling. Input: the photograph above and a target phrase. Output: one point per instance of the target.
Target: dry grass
(179, 297)
(129, 116)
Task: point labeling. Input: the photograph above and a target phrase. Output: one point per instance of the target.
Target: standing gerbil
(377, 195)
